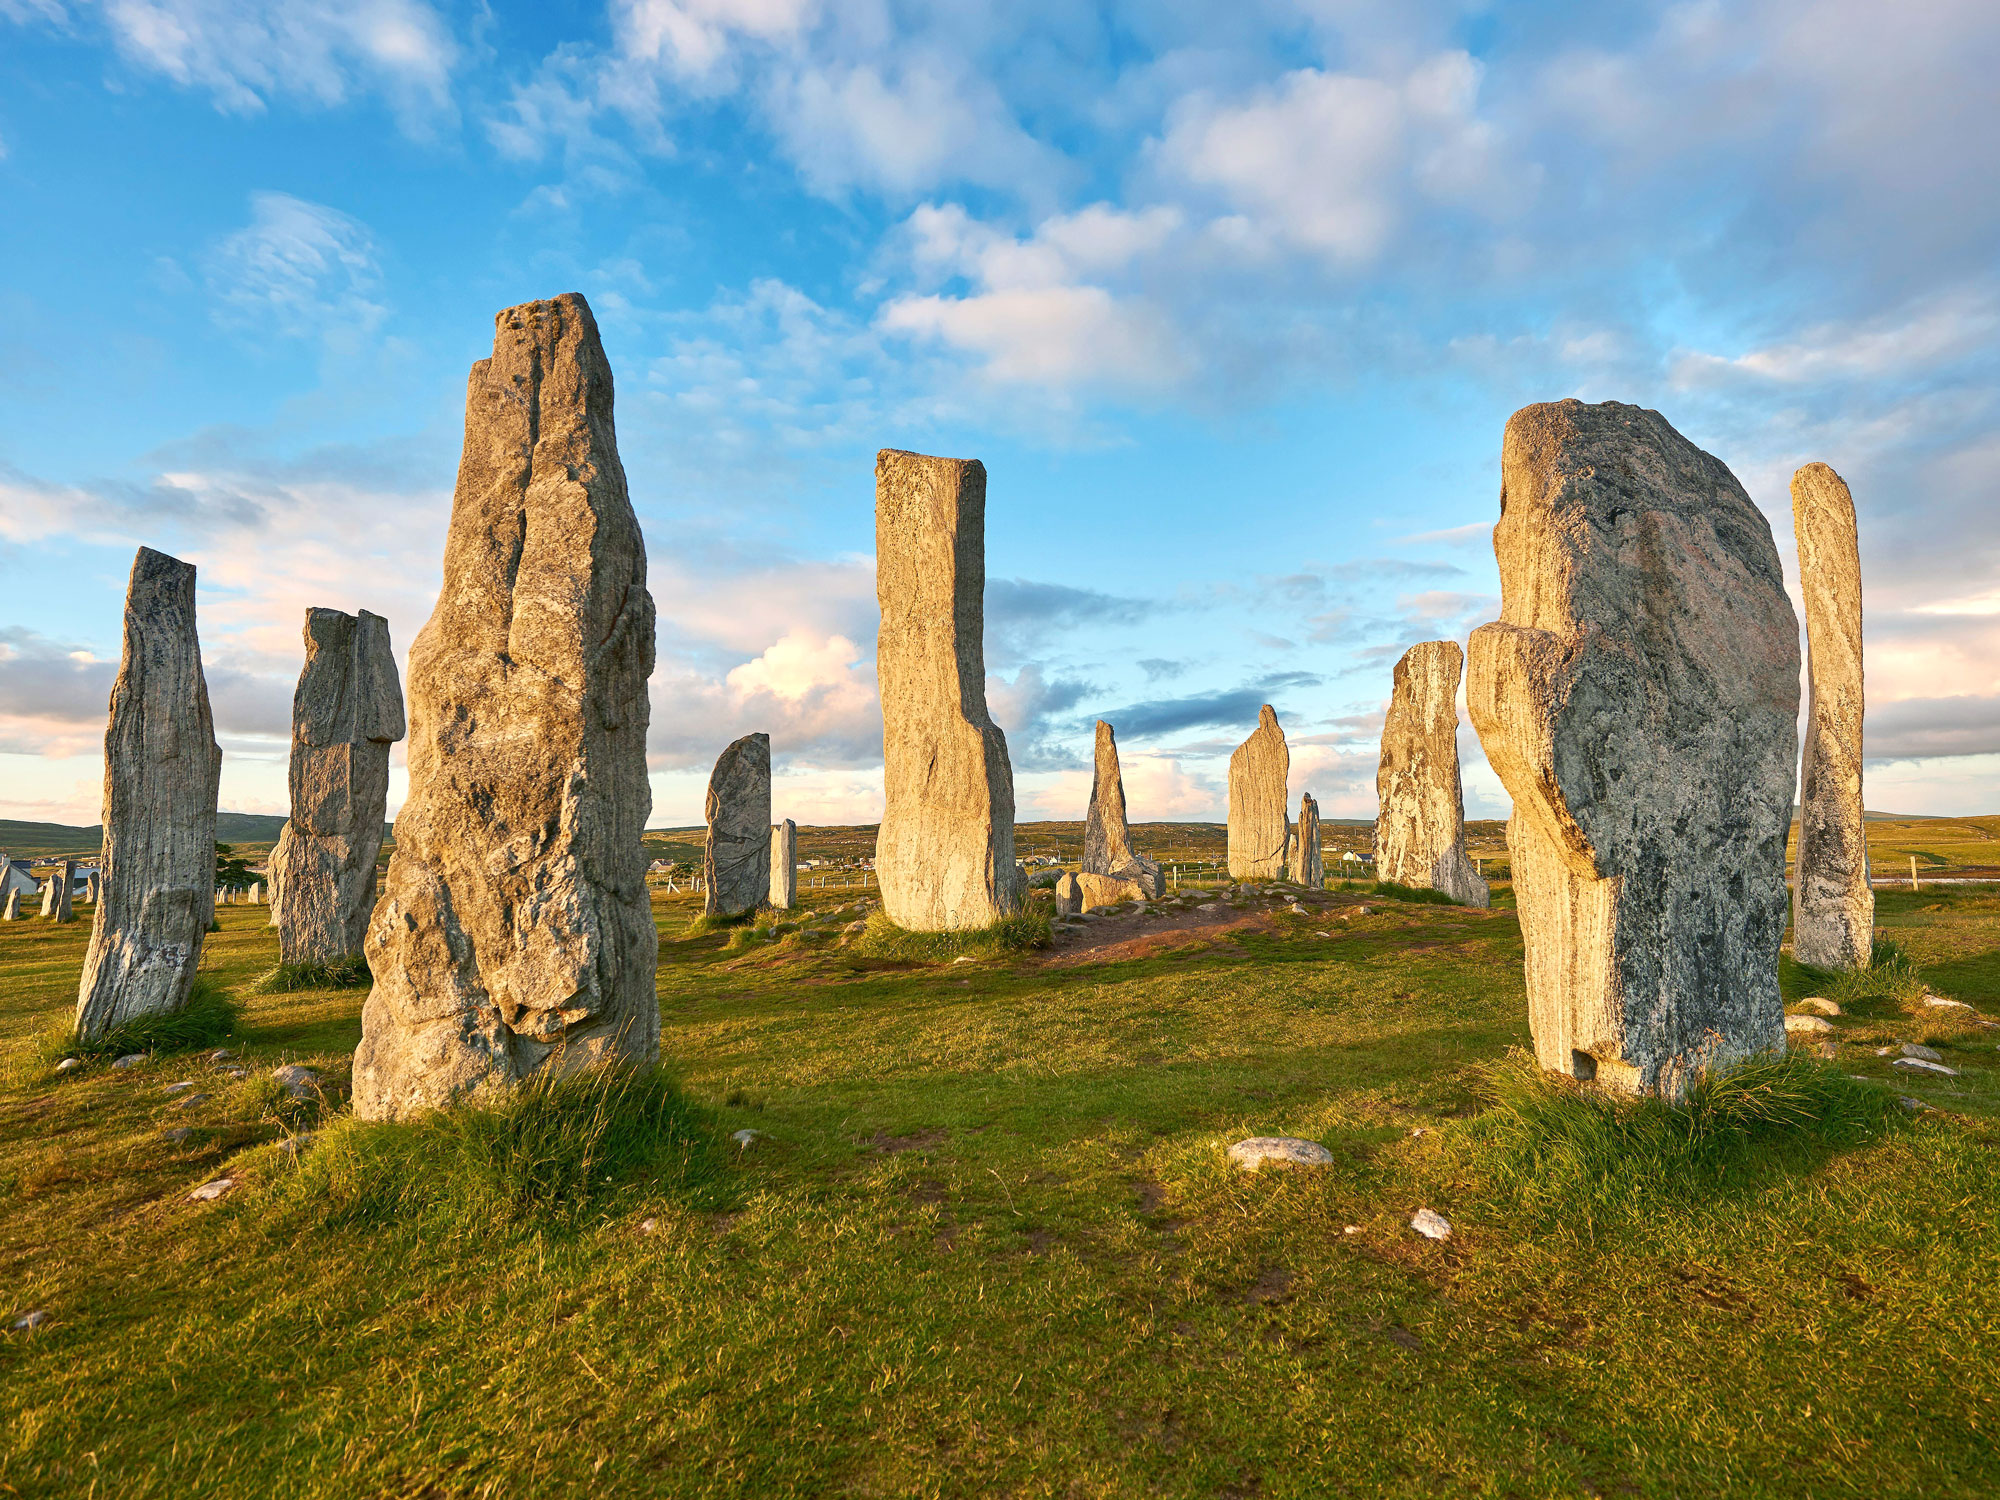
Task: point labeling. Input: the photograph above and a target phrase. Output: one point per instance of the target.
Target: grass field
(987, 1243)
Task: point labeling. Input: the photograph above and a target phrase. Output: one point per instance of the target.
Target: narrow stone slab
(785, 865)
(515, 932)
(1833, 904)
(1259, 831)
(346, 713)
(1107, 837)
(1069, 896)
(736, 854)
(12, 911)
(1278, 1151)
(1307, 868)
(1420, 830)
(56, 898)
(1638, 699)
(161, 770)
(945, 852)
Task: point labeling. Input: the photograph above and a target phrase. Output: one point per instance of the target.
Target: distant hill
(18, 838)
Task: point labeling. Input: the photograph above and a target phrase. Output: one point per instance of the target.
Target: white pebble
(1278, 1151)
(1432, 1226)
(208, 1192)
(69, 1065)
(30, 1321)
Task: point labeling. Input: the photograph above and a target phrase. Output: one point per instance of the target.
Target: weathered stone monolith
(785, 865)
(736, 856)
(1420, 824)
(1638, 698)
(1833, 905)
(1107, 837)
(12, 911)
(1303, 861)
(945, 852)
(56, 894)
(93, 887)
(1069, 896)
(1259, 831)
(515, 933)
(346, 713)
(161, 770)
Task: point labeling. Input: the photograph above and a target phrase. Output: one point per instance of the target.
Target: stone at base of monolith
(945, 850)
(736, 856)
(1420, 830)
(1303, 862)
(514, 937)
(1109, 890)
(1638, 699)
(161, 770)
(1069, 896)
(1833, 904)
(1259, 831)
(784, 865)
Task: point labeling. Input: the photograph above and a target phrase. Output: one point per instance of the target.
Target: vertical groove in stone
(1307, 867)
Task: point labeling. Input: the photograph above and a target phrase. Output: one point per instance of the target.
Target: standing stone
(256, 894)
(515, 932)
(346, 713)
(94, 887)
(945, 852)
(1069, 895)
(1304, 865)
(12, 911)
(161, 770)
(1639, 699)
(55, 895)
(736, 856)
(1833, 905)
(785, 865)
(1420, 827)
(1107, 837)
(1259, 831)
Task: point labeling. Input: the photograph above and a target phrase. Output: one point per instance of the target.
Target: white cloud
(1923, 337)
(247, 53)
(299, 269)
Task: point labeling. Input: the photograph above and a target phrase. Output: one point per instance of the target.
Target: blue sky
(1232, 301)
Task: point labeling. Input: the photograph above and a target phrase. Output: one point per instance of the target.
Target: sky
(1232, 301)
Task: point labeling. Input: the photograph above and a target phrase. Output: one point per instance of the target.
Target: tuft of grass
(546, 1151)
(1019, 934)
(1891, 975)
(1396, 892)
(210, 1016)
(346, 973)
(1573, 1154)
(703, 925)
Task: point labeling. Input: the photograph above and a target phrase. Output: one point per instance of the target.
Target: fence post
(1914, 884)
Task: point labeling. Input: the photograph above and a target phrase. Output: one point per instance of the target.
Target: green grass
(986, 1240)
(315, 974)
(210, 1016)
(1397, 892)
(1007, 937)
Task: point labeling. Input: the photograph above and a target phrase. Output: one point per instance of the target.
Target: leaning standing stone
(12, 911)
(1306, 867)
(515, 933)
(784, 893)
(736, 856)
(945, 852)
(56, 900)
(1420, 828)
(1639, 699)
(1107, 837)
(1833, 906)
(1259, 831)
(161, 770)
(346, 713)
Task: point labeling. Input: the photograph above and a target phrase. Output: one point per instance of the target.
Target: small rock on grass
(1938, 1002)
(1914, 1049)
(178, 1135)
(744, 1138)
(1431, 1225)
(28, 1322)
(220, 1055)
(1807, 1026)
(647, 1226)
(963, 958)
(1278, 1151)
(189, 1101)
(130, 1060)
(1918, 1065)
(180, 1088)
(69, 1065)
(1914, 1106)
(1816, 1005)
(208, 1192)
(300, 1083)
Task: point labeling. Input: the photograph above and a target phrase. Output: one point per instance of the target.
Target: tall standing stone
(161, 770)
(1833, 905)
(56, 895)
(1259, 831)
(1107, 837)
(1639, 700)
(785, 865)
(1420, 826)
(515, 932)
(346, 713)
(736, 855)
(945, 852)
(12, 911)
(93, 887)
(1305, 865)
